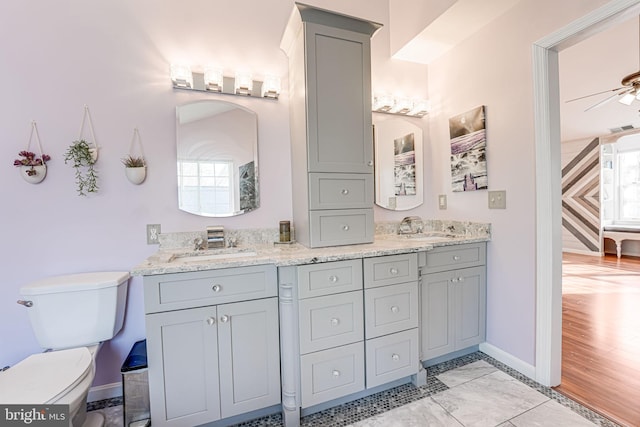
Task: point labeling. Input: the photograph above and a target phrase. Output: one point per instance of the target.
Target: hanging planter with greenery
(33, 169)
(135, 166)
(82, 158)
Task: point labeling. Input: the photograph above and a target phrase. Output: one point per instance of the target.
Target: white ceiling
(595, 65)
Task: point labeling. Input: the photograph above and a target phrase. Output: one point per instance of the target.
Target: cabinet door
(470, 290)
(249, 356)
(438, 332)
(338, 65)
(182, 349)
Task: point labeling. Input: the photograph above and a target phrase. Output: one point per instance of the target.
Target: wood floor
(601, 335)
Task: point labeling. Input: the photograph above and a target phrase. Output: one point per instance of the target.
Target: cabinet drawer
(392, 357)
(329, 278)
(202, 288)
(341, 227)
(330, 321)
(330, 374)
(391, 309)
(452, 257)
(340, 191)
(391, 269)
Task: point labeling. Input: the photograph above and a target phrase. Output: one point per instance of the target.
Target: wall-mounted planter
(136, 175)
(33, 174)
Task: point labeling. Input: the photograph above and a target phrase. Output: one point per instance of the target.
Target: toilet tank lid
(75, 282)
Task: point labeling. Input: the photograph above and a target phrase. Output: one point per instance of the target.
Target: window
(628, 186)
(205, 186)
(621, 181)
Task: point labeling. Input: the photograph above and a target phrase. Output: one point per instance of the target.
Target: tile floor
(470, 391)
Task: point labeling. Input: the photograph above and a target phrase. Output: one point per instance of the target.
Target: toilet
(71, 317)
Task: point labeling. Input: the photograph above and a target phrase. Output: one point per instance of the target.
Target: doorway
(548, 191)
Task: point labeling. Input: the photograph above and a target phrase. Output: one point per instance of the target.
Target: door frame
(548, 353)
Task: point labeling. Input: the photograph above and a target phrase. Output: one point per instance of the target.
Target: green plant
(133, 162)
(80, 155)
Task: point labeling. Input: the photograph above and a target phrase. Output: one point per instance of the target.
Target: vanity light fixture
(271, 87)
(389, 104)
(213, 80)
(181, 76)
(243, 83)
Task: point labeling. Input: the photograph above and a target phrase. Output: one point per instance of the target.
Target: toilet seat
(45, 377)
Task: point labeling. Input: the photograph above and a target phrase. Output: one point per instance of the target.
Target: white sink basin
(208, 256)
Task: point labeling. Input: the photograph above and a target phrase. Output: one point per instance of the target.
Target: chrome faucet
(215, 236)
(411, 225)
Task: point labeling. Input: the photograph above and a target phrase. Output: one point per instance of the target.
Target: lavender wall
(114, 57)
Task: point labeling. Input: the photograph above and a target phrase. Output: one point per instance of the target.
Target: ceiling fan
(629, 90)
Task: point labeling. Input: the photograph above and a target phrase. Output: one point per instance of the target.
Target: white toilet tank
(76, 310)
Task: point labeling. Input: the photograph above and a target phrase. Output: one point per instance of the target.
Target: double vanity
(236, 333)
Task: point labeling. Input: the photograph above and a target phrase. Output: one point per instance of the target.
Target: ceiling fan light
(627, 99)
(638, 94)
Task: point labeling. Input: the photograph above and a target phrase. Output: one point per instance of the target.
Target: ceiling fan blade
(606, 100)
(594, 94)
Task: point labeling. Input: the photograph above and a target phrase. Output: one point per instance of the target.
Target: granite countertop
(179, 260)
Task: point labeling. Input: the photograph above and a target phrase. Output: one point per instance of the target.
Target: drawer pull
(456, 257)
(333, 279)
(344, 191)
(454, 280)
(345, 227)
(394, 309)
(395, 357)
(216, 288)
(460, 279)
(335, 321)
(211, 321)
(336, 373)
(224, 319)
(393, 270)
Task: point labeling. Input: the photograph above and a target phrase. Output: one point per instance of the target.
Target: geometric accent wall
(581, 197)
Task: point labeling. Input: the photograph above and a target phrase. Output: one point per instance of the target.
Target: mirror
(217, 147)
(398, 164)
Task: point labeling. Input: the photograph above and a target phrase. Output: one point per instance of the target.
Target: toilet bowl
(71, 316)
(58, 377)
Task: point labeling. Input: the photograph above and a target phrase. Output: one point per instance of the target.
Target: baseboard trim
(105, 391)
(582, 252)
(509, 360)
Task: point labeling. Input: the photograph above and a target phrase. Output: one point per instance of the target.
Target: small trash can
(135, 387)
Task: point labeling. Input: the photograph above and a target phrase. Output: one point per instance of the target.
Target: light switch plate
(498, 199)
(442, 201)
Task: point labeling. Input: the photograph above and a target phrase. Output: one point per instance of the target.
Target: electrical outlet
(498, 199)
(442, 201)
(153, 233)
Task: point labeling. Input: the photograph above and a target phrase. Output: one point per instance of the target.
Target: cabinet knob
(333, 279)
(460, 279)
(370, 163)
(456, 257)
(211, 321)
(393, 270)
(345, 227)
(394, 309)
(336, 373)
(395, 357)
(335, 321)
(345, 191)
(216, 288)
(224, 319)
(454, 280)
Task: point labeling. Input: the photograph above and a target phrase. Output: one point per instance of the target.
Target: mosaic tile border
(381, 402)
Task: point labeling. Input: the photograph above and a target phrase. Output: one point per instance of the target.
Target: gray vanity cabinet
(391, 318)
(331, 126)
(453, 299)
(216, 361)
